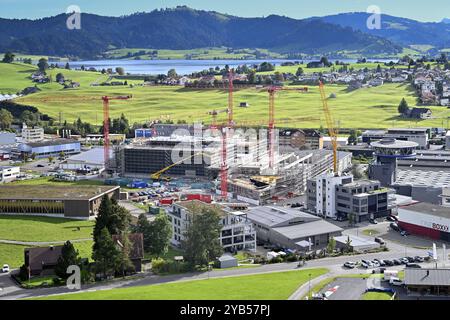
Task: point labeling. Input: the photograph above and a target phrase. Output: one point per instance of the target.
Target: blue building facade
(51, 148)
(143, 133)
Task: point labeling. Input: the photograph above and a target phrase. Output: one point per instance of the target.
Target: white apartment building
(321, 192)
(8, 174)
(238, 233)
(447, 140)
(34, 134)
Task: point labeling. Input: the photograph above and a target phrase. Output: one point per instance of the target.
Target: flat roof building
(291, 228)
(427, 282)
(50, 148)
(76, 202)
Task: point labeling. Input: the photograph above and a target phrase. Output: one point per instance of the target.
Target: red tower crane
(106, 143)
(272, 90)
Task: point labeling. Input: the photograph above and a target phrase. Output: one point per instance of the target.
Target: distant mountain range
(185, 28)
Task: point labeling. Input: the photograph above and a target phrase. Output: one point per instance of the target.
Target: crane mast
(332, 130)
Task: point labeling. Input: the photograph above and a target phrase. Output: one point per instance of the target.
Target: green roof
(52, 192)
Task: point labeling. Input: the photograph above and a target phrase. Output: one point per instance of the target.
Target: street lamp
(309, 285)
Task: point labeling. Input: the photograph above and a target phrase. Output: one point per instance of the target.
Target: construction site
(244, 160)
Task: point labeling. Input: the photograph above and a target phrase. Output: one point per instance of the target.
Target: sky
(429, 10)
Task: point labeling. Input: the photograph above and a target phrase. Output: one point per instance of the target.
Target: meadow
(364, 108)
(271, 286)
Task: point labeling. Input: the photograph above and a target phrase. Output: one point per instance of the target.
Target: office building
(50, 148)
(33, 134)
(9, 174)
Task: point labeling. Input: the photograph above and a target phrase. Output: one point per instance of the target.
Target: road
(333, 264)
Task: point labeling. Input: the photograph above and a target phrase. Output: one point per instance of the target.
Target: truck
(389, 274)
(207, 198)
(166, 202)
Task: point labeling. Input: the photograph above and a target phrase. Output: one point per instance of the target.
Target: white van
(396, 282)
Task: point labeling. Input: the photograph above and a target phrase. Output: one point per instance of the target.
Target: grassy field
(376, 296)
(272, 286)
(363, 108)
(43, 229)
(195, 54)
(12, 255)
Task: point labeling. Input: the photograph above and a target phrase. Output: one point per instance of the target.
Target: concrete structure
(427, 282)
(356, 243)
(34, 134)
(7, 138)
(292, 229)
(8, 174)
(321, 193)
(387, 152)
(50, 148)
(446, 197)
(237, 231)
(76, 202)
(426, 220)
(417, 135)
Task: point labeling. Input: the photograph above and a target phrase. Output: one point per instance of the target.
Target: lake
(183, 67)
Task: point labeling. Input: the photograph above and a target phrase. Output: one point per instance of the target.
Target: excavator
(157, 175)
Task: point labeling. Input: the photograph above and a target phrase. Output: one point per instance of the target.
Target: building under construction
(250, 177)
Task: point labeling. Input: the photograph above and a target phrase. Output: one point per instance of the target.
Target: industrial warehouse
(75, 202)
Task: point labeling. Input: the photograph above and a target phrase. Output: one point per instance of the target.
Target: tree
(124, 263)
(299, 72)
(111, 216)
(353, 138)
(67, 67)
(143, 226)
(6, 119)
(201, 242)
(69, 257)
(325, 61)
(60, 77)
(105, 253)
(120, 71)
(251, 76)
(172, 73)
(8, 57)
(331, 245)
(43, 64)
(279, 76)
(348, 244)
(403, 107)
(351, 219)
(161, 232)
(50, 159)
(379, 69)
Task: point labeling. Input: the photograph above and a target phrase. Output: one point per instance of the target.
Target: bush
(292, 258)
(23, 273)
(162, 266)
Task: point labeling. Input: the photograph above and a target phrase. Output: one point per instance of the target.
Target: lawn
(370, 232)
(272, 286)
(43, 229)
(48, 181)
(377, 296)
(364, 108)
(12, 255)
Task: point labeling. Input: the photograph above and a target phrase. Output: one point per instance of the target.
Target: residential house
(136, 254)
(42, 261)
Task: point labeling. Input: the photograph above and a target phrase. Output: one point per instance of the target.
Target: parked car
(381, 262)
(404, 260)
(413, 265)
(410, 259)
(378, 270)
(419, 259)
(350, 265)
(5, 268)
(389, 263)
(366, 264)
(404, 233)
(391, 218)
(375, 264)
(380, 241)
(397, 262)
(395, 227)
(373, 221)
